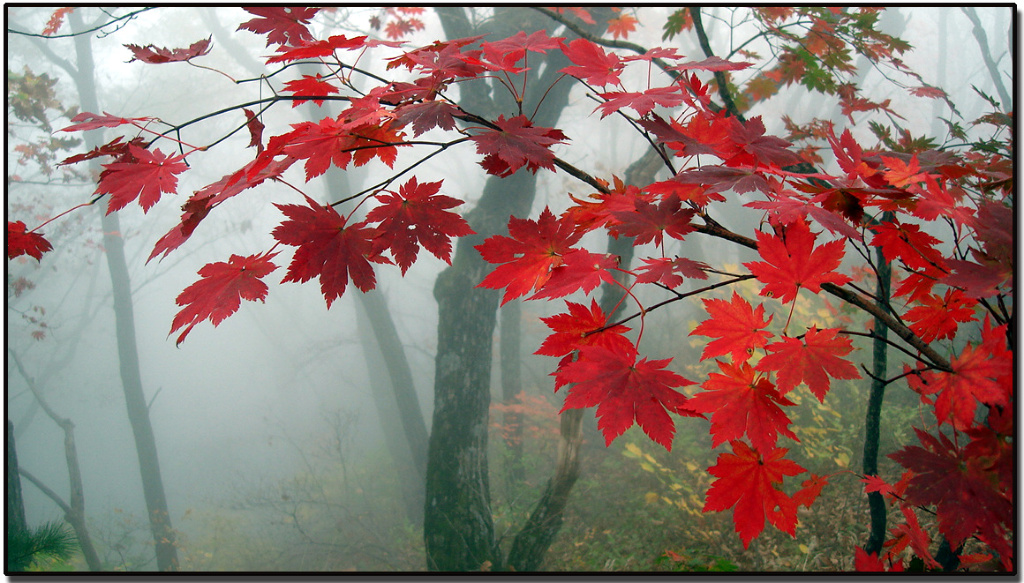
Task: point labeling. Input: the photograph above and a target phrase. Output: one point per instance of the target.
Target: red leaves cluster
(967, 479)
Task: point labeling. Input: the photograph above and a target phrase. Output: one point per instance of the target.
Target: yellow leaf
(843, 459)
(633, 449)
(803, 549)
(651, 497)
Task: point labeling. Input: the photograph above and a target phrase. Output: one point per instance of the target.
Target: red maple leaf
(592, 64)
(865, 563)
(516, 143)
(642, 102)
(625, 390)
(622, 25)
(580, 270)
(141, 174)
(427, 115)
(711, 64)
(255, 127)
(283, 25)
(328, 248)
(507, 52)
(963, 493)
(22, 242)
(670, 272)
(317, 49)
(908, 243)
(417, 216)
(810, 361)
(809, 490)
(338, 142)
(938, 317)
(91, 121)
(221, 290)
(792, 262)
(157, 55)
(736, 324)
(309, 85)
(580, 327)
(742, 404)
(528, 255)
(902, 173)
(747, 484)
(650, 221)
(981, 373)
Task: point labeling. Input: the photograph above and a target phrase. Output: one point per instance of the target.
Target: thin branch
(128, 16)
(45, 490)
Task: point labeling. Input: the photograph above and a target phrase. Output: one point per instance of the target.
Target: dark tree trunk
(128, 357)
(458, 525)
(510, 344)
(16, 525)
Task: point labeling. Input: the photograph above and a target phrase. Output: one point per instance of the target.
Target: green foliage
(50, 542)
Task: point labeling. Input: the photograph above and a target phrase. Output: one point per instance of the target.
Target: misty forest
(513, 288)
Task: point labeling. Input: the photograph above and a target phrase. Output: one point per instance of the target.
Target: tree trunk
(17, 527)
(128, 356)
(458, 525)
(510, 344)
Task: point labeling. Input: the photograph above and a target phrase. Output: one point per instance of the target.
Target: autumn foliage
(948, 309)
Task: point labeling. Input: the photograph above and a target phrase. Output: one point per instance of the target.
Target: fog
(277, 403)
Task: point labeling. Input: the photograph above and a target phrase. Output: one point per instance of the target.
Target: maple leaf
(902, 173)
(221, 290)
(746, 482)
(580, 327)
(417, 216)
(711, 64)
(649, 221)
(622, 25)
(938, 317)
(736, 324)
(282, 25)
(908, 243)
(336, 141)
(22, 242)
(810, 361)
(327, 248)
(963, 494)
(516, 143)
(56, 20)
(156, 55)
(317, 49)
(91, 121)
(310, 85)
(427, 115)
(865, 563)
(625, 390)
(580, 270)
(742, 404)
(144, 175)
(716, 179)
(753, 147)
(592, 64)
(792, 262)
(255, 127)
(981, 373)
(510, 50)
(528, 255)
(809, 490)
(642, 102)
(670, 272)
